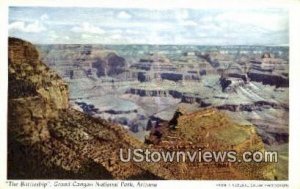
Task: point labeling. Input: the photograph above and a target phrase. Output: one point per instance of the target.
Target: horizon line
(161, 44)
(150, 44)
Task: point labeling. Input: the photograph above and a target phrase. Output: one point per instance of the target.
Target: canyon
(150, 82)
(72, 107)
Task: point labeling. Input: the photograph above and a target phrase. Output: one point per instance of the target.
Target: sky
(75, 25)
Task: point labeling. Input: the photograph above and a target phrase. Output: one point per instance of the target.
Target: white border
(294, 6)
(157, 4)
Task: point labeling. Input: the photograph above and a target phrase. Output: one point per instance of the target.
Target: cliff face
(25, 67)
(46, 138)
(82, 61)
(36, 93)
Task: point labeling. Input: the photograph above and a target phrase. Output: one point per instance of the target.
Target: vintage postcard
(104, 92)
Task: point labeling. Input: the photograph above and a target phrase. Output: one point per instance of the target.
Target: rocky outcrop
(269, 79)
(255, 106)
(99, 64)
(141, 76)
(269, 71)
(142, 65)
(115, 64)
(224, 83)
(48, 139)
(110, 65)
(212, 130)
(213, 62)
(36, 94)
(172, 76)
(82, 61)
(185, 97)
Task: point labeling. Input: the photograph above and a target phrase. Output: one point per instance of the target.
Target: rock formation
(211, 130)
(49, 139)
(110, 65)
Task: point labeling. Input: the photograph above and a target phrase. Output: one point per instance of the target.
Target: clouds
(44, 17)
(189, 23)
(166, 26)
(86, 27)
(33, 27)
(182, 14)
(124, 15)
(270, 22)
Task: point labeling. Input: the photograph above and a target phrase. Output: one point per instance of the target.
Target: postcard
(133, 95)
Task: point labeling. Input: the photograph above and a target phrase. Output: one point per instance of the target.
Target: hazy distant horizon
(284, 45)
(107, 44)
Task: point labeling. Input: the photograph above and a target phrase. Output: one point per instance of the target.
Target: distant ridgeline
(267, 63)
